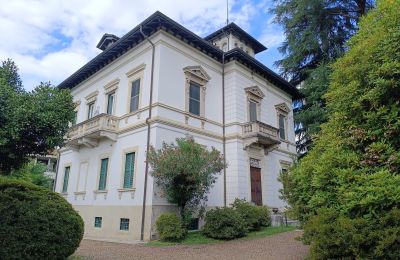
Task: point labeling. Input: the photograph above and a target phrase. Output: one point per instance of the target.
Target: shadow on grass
(197, 238)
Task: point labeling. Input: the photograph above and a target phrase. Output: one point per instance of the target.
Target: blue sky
(49, 39)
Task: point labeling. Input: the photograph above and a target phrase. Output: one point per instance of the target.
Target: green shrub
(224, 223)
(170, 227)
(334, 236)
(254, 216)
(36, 223)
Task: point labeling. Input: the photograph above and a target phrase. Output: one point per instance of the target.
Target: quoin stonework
(101, 169)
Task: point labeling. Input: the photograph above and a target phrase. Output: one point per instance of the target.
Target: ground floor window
(98, 221)
(124, 224)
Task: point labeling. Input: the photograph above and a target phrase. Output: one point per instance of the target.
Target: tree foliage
(355, 163)
(33, 173)
(30, 122)
(316, 34)
(185, 172)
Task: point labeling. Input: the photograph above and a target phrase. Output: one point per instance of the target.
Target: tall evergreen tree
(316, 34)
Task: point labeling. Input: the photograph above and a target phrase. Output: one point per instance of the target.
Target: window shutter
(103, 174)
(66, 178)
(129, 168)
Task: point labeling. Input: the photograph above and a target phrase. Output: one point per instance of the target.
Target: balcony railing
(259, 132)
(95, 128)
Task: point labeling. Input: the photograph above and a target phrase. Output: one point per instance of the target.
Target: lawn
(197, 238)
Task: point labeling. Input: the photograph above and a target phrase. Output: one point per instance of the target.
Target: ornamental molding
(196, 72)
(255, 91)
(255, 163)
(283, 108)
(111, 86)
(135, 70)
(92, 97)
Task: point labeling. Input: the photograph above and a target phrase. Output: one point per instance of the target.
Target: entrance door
(256, 192)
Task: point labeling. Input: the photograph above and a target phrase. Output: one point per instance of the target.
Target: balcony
(89, 132)
(260, 134)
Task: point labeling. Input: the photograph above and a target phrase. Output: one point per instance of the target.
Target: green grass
(197, 238)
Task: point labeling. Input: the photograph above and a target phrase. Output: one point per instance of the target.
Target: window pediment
(92, 97)
(255, 91)
(196, 73)
(283, 108)
(111, 86)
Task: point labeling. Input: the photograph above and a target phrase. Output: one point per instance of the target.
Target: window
(110, 103)
(129, 169)
(124, 224)
(98, 221)
(103, 174)
(282, 133)
(75, 119)
(253, 111)
(225, 47)
(194, 99)
(135, 90)
(90, 110)
(66, 177)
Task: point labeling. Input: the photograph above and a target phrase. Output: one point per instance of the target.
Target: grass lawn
(197, 238)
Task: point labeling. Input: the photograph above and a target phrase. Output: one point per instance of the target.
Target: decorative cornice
(255, 91)
(111, 86)
(283, 108)
(92, 97)
(135, 70)
(197, 71)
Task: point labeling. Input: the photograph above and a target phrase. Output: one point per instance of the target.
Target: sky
(49, 39)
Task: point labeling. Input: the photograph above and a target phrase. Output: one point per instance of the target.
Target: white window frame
(254, 94)
(283, 110)
(198, 76)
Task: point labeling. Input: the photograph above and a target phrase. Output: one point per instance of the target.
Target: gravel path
(279, 246)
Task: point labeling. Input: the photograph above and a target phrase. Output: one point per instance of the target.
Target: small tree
(185, 172)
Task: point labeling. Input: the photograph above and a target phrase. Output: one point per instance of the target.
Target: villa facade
(212, 89)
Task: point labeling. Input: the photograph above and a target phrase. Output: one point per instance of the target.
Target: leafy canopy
(354, 166)
(30, 122)
(316, 32)
(185, 172)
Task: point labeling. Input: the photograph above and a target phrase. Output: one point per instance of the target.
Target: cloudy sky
(50, 39)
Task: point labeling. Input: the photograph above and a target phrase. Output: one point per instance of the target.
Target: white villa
(159, 82)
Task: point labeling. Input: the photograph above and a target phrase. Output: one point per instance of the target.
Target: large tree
(346, 190)
(30, 122)
(316, 33)
(185, 172)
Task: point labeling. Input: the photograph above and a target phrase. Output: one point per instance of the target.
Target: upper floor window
(254, 97)
(75, 118)
(196, 80)
(135, 91)
(282, 111)
(66, 178)
(90, 110)
(194, 99)
(110, 103)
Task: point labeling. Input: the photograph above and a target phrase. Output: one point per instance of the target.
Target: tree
(185, 172)
(316, 34)
(34, 173)
(30, 122)
(354, 168)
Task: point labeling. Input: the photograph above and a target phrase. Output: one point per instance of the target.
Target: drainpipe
(57, 170)
(148, 135)
(223, 122)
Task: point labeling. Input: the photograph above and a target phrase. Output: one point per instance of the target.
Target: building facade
(212, 89)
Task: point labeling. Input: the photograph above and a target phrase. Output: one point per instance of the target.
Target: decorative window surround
(133, 75)
(92, 97)
(255, 163)
(254, 95)
(198, 76)
(111, 86)
(282, 110)
(135, 70)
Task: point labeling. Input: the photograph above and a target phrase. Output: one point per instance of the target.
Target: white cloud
(272, 34)
(51, 39)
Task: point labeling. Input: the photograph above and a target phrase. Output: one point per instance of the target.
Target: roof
(241, 34)
(159, 21)
(106, 41)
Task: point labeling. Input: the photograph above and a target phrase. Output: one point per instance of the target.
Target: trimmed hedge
(36, 223)
(224, 223)
(170, 227)
(254, 216)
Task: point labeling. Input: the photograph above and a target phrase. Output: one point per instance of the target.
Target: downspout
(223, 123)
(57, 166)
(148, 135)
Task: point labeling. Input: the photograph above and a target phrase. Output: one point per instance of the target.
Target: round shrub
(254, 216)
(224, 223)
(170, 227)
(36, 223)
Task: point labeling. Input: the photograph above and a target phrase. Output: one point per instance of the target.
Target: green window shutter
(129, 168)
(66, 178)
(103, 174)
(282, 133)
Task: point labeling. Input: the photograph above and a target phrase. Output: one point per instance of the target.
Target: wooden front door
(256, 192)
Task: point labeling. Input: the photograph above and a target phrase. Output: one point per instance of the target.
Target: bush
(254, 216)
(334, 236)
(224, 223)
(36, 223)
(170, 227)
